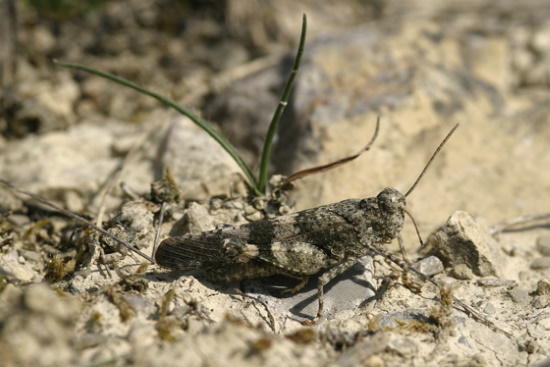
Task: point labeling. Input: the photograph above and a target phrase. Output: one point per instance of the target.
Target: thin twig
(76, 217)
(513, 223)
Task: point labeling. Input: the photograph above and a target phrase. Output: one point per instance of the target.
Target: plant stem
(229, 148)
(262, 178)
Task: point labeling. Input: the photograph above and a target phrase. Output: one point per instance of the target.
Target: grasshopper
(298, 245)
(331, 237)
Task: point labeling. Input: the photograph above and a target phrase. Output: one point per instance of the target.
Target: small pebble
(89, 340)
(543, 287)
(540, 302)
(18, 220)
(30, 255)
(543, 245)
(256, 216)
(405, 347)
(489, 309)
(492, 282)
(216, 203)
(374, 361)
(249, 210)
(462, 272)
(518, 294)
(139, 304)
(530, 346)
(511, 250)
(541, 263)
(234, 204)
(479, 359)
(429, 266)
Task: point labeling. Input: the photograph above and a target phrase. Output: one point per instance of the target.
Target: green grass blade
(229, 148)
(262, 179)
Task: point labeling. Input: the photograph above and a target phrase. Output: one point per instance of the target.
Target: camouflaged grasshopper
(298, 245)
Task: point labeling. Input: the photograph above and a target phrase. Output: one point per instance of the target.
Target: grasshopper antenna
(432, 158)
(418, 180)
(339, 162)
(415, 228)
(77, 218)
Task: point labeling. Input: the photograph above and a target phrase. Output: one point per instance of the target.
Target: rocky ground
(70, 297)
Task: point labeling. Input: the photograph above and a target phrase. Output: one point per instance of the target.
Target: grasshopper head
(391, 206)
(391, 200)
